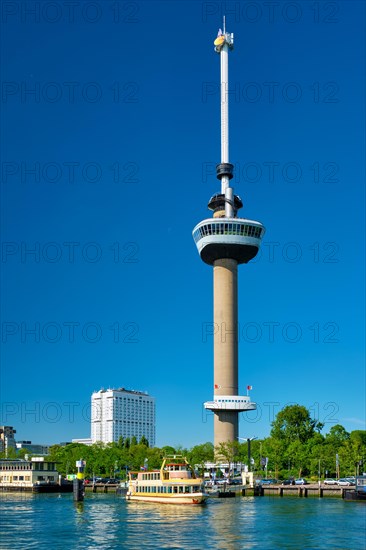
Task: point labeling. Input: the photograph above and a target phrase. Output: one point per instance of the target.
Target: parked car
(222, 481)
(235, 482)
(268, 481)
(209, 483)
(344, 481)
(301, 481)
(290, 481)
(330, 481)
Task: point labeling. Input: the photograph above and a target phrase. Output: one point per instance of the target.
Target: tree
(274, 449)
(296, 455)
(199, 454)
(294, 423)
(227, 451)
(167, 450)
(337, 435)
(144, 441)
(9, 453)
(358, 438)
(22, 453)
(358, 449)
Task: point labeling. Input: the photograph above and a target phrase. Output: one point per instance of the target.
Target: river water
(107, 521)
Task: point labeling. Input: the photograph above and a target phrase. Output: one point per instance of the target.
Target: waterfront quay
(313, 490)
(102, 487)
(310, 490)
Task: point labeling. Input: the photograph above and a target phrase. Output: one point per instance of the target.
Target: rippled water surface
(107, 521)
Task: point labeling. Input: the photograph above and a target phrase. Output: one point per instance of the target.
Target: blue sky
(122, 134)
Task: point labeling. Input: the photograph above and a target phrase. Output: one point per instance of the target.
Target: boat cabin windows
(175, 489)
(178, 471)
(150, 476)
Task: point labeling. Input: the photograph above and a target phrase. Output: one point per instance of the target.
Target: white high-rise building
(120, 412)
(7, 440)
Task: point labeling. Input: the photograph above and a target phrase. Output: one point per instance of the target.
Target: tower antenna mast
(223, 44)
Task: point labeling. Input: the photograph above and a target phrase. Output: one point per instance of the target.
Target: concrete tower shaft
(226, 327)
(226, 427)
(225, 346)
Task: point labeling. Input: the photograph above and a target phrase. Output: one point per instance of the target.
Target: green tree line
(295, 447)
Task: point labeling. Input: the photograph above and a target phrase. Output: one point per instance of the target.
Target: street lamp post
(248, 440)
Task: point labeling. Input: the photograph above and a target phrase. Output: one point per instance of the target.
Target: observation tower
(225, 241)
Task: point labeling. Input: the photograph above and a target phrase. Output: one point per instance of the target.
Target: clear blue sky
(122, 130)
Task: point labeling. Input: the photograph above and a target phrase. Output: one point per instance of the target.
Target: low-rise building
(84, 441)
(22, 474)
(33, 448)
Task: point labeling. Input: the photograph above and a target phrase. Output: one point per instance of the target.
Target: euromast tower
(225, 241)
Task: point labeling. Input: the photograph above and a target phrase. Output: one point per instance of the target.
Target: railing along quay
(311, 489)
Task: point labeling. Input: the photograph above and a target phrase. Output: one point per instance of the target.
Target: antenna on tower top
(223, 43)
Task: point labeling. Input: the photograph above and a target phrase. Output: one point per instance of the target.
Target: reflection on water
(233, 526)
(167, 525)
(163, 513)
(104, 521)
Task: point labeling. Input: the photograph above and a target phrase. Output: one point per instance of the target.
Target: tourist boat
(175, 483)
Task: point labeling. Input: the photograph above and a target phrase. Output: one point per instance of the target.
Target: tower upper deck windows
(243, 228)
(235, 238)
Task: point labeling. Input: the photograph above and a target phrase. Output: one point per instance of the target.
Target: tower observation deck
(225, 241)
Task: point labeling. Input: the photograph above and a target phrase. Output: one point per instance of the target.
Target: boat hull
(355, 495)
(191, 499)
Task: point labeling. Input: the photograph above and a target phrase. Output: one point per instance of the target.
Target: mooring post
(78, 482)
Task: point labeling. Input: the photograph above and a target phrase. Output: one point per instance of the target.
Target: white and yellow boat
(175, 483)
